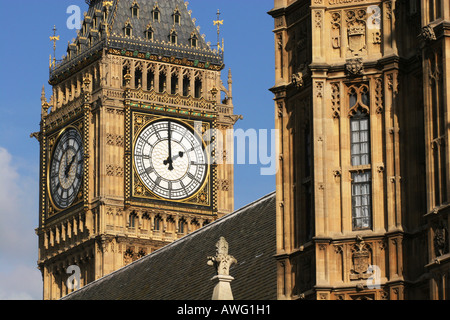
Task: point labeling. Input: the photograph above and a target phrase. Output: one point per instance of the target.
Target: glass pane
(365, 98)
(364, 124)
(361, 200)
(352, 100)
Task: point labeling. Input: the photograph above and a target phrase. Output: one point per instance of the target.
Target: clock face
(66, 169)
(170, 160)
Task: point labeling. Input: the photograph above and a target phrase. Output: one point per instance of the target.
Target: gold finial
(218, 23)
(54, 38)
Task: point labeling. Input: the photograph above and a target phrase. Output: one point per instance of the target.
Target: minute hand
(170, 160)
(69, 165)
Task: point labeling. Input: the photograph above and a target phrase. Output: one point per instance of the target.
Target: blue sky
(24, 55)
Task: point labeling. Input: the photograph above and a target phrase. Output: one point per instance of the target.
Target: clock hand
(169, 159)
(179, 155)
(70, 165)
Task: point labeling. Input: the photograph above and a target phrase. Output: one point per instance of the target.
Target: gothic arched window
(149, 33)
(176, 17)
(360, 155)
(135, 10)
(128, 29)
(173, 37)
(156, 13)
(193, 40)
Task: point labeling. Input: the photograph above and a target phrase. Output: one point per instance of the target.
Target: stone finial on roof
(222, 261)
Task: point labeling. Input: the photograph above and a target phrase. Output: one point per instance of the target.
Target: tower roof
(105, 26)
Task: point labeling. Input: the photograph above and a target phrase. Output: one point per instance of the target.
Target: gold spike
(54, 38)
(218, 23)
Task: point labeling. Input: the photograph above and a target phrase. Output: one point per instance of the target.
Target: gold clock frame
(140, 120)
(52, 208)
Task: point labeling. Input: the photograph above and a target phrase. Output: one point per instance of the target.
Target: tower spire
(54, 38)
(218, 23)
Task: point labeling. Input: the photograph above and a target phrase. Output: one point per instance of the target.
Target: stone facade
(362, 184)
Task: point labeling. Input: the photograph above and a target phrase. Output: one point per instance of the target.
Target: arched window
(125, 71)
(128, 29)
(360, 153)
(162, 82)
(150, 80)
(173, 37)
(149, 33)
(157, 224)
(135, 9)
(138, 77)
(198, 88)
(174, 83)
(176, 16)
(132, 221)
(186, 85)
(193, 40)
(156, 14)
(181, 226)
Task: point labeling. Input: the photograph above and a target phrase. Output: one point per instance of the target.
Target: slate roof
(162, 28)
(179, 271)
(92, 39)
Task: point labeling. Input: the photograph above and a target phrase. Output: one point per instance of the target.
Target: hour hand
(169, 161)
(179, 155)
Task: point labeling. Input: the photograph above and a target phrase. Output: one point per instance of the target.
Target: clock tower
(130, 159)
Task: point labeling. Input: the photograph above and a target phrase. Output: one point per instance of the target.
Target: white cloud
(19, 278)
(21, 283)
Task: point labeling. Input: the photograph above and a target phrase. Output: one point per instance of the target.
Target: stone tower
(362, 183)
(128, 148)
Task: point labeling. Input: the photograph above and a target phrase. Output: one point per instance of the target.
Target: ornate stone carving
(361, 260)
(354, 66)
(297, 80)
(224, 185)
(114, 171)
(336, 100)
(319, 89)
(379, 95)
(222, 261)
(336, 30)
(440, 240)
(318, 19)
(356, 31)
(280, 109)
(427, 33)
(128, 256)
(337, 173)
(114, 140)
